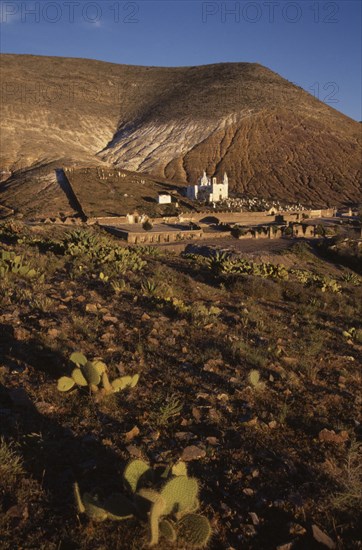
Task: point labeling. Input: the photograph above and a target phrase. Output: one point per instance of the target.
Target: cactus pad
(78, 377)
(254, 377)
(106, 384)
(65, 383)
(118, 507)
(134, 380)
(133, 473)
(100, 367)
(195, 530)
(157, 510)
(91, 374)
(167, 530)
(93, 508)
(78, 358)
(121, 383)
(180, 494)
(78, 499)
(149, 494)
(179, 469)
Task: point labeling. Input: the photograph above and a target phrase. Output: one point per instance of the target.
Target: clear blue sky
(316, 44)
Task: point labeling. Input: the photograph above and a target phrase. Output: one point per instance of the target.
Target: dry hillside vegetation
(248, 370)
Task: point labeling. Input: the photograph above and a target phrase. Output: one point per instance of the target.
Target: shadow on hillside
(56, 452)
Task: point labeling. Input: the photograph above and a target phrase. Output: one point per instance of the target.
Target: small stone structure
(159, 234)
(164, 198)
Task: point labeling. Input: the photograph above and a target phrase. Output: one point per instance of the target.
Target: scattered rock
(273, 424)
(330, 436)
(132, 433)
(155, 436)
(322, 538)
(214, 416)
(134, 451)
(110, 319)
(184, 436)
(44, 408)
(290, 361)
(296, 529)
(254, 518)
(18, 511)
(153, 341)
(252, 422)
(192, 453)
(213, 441)
(222, 397)
(145, 317)
(91, 308)
(196, 413)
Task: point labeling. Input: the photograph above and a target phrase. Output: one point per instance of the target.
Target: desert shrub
(261, 288)
(147, 225)
(11, 464)
(349, 494)
(296, 292)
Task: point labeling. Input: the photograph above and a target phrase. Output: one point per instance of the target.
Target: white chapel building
(208, 189)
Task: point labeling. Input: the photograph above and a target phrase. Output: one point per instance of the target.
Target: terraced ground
(249, 372)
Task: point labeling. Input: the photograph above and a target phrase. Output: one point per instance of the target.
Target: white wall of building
(164, 199)
(208, 189)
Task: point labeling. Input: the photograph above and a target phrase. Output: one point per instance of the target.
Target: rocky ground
(253, 379)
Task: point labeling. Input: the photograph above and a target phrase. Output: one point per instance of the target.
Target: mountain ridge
(273, 138)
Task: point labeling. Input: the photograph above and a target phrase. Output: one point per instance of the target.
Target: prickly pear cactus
(134, 472)
(78, 377)
(89, 505)
(117, 507)
(167, 530)
(65, 383)
(78, 358)
(254, 377)
(94, 375)
(180, 494)
(168, 505)
(195, 530)
(179, 469)
(91, 374)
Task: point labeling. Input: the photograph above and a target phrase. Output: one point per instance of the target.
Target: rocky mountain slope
(273, 138)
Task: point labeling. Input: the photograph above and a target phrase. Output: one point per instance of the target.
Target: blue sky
(316, 44)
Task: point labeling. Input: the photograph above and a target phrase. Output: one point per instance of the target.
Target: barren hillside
(273, 138)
